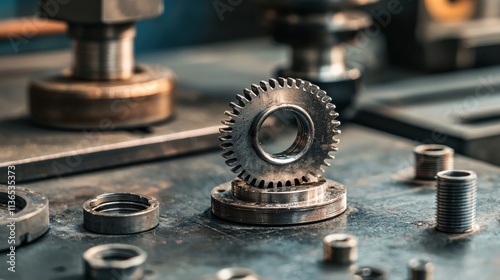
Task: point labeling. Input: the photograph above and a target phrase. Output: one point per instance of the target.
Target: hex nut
(100, 11)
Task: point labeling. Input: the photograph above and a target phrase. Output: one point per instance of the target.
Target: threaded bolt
(340, 249)
(103, 52)
(431, 159)
(456, 201)
(419, 269)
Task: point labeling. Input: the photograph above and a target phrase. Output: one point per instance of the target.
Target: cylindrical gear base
(239, 202)
(66, 102)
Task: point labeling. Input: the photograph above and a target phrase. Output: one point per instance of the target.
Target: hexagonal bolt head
(100, 11)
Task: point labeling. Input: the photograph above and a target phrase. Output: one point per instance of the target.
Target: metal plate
(393, 220)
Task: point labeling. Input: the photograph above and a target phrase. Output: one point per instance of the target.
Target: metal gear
(303, 160)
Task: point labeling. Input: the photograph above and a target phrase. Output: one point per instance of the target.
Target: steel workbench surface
(394, 220)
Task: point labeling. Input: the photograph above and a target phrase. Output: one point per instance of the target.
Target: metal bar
(106, 156)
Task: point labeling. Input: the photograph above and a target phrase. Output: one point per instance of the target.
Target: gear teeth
(282, 82)
(236, 107)
(335, 123)
(326, 99)
(299, 83)
(320, 94)
(243, 100)
(257, 90)
(231, 162)
(264, 85)
(225, 130)
(273, 83)
(226, 138)
(236, 169)
(228, 122)
(314, 90)
(231, 114)
(249, 94)
(228, 155)
(226, 146)
(333, 114)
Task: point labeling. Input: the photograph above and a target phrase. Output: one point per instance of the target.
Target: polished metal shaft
(103, 52)
(431, 159)
(456, 201)
(319, 63)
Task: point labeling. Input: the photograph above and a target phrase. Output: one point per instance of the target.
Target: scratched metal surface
(393, 220)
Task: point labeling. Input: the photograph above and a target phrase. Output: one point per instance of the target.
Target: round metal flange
(114, 261)
(24, 216)
(66, 102)
(310, 202)
(121, 213)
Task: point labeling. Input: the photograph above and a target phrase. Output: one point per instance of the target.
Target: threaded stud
(431, 159)
(456, 201)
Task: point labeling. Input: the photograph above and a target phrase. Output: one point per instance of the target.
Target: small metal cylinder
(419, 269)
(121, 213)
(236, 273)
(456, 201)
(340, 249)
(103, 51)
(370, 273)
(431, 159)
(319, 63)
(114, 261)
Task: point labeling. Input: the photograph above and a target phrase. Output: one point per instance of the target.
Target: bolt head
(100, 11)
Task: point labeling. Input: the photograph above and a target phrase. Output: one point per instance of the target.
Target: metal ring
(273, 210)
(25, 220)
(121, 213)
(65, 102)
(302, 142)
(300, 163)
(114, 261)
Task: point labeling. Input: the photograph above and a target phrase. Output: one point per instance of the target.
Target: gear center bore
(301, 144)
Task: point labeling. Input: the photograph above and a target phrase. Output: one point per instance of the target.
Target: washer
(121, 213)
(24, 216)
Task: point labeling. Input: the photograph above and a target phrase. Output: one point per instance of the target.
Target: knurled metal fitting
(121, 213)
(114, 261)
(431, 159)
(456, 201)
